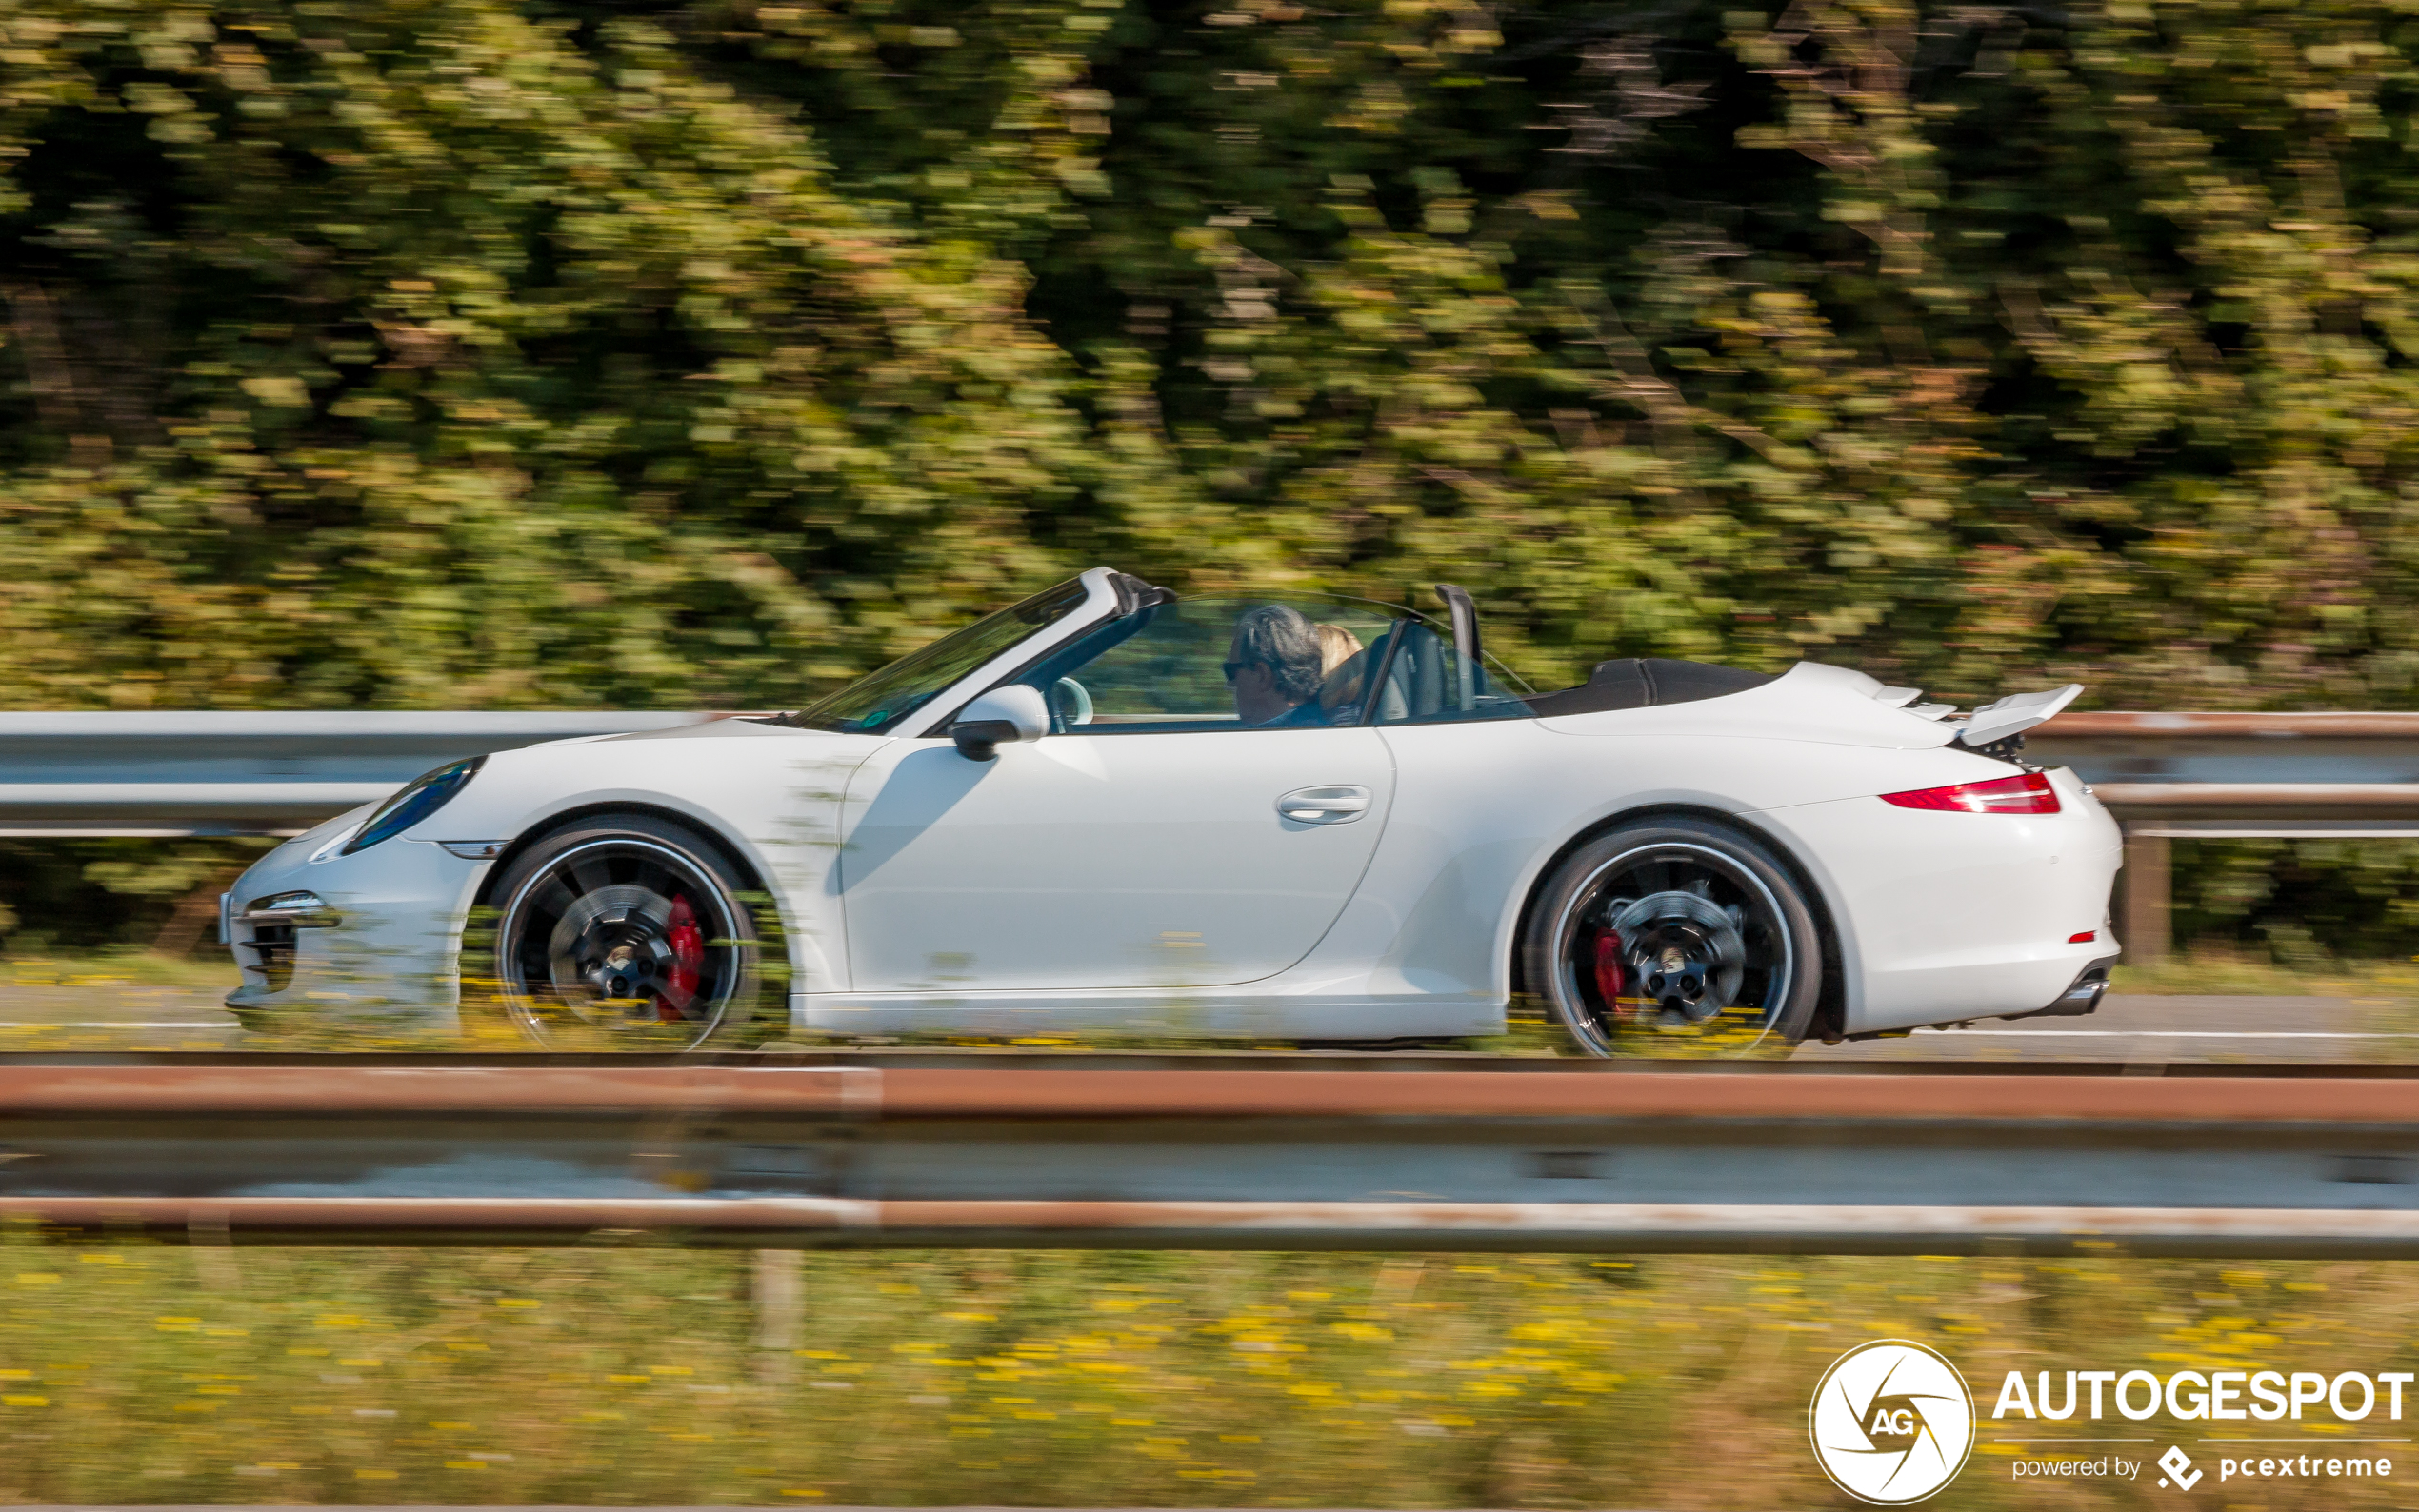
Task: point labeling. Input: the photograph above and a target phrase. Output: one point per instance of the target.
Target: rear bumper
(1955, 916)
(2083, 996)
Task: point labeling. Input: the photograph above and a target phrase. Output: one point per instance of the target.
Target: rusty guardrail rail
(1665, 1158)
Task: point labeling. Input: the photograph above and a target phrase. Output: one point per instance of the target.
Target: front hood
(517, 789)
(735, 728)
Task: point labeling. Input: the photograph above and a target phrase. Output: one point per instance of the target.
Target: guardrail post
(780, 1298)
(206, 1240)
(2145, 927)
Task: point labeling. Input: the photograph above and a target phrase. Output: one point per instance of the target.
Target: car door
(1152, 840)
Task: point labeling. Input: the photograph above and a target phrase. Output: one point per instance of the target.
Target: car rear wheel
(1676, 932)
(628, 927)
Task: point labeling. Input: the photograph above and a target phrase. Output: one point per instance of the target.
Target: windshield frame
(1100, 602)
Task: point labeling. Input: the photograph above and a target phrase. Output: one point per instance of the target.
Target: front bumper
(391, 952)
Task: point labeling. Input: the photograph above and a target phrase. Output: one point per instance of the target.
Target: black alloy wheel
(629, 925)
(1676, 931)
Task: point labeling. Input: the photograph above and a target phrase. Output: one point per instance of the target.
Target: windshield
(873, 703)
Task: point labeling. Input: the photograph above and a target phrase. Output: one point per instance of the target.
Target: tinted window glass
(874, 703)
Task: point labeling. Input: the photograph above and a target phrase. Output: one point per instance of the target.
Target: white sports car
(1110, 809)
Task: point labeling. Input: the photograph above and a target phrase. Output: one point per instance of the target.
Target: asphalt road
(2169, 1028)
(96, 1010)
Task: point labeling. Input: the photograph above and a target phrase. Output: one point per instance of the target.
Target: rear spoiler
(1992, 724)
(2015, 714)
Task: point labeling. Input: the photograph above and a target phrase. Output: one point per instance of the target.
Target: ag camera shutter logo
(1891, 1422)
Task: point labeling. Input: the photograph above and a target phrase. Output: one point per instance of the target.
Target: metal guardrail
(1660, 1158)
(2245, 775)
(2217, 776)
(233, 773)
(2166, 776)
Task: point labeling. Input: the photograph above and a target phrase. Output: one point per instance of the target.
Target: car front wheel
(623, 926)
(1676, 932)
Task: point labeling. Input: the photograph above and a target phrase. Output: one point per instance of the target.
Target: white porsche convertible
(1110, 809)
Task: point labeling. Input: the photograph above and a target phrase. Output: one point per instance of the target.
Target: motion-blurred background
(512, 353)
(463, 354)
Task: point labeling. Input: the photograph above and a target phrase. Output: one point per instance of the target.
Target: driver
(1275, 667)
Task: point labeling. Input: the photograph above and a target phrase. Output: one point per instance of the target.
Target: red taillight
(2027, 794)
(2085, 938)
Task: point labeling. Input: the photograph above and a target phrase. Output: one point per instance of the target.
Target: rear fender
(1821, 888)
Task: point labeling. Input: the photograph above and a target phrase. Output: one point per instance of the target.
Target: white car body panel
(1145, 883)
(1973, 929)
(1079, 862)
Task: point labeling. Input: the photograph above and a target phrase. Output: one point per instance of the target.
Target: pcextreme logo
(1891, 1422)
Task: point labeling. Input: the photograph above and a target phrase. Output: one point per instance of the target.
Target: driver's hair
(1286, 643)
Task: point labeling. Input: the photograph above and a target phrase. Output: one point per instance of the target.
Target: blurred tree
(458, 352)
(2300, 901)
(425, 354)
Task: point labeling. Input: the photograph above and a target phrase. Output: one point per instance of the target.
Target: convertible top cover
(1644, 682)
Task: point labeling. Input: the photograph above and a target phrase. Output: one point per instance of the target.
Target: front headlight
(419, 798)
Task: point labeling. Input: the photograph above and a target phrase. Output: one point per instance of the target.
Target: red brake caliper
(688, 956)
(1609, 977)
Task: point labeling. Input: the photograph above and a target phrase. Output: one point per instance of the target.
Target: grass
(141, 1374)
(213, 975)
(2233, 973)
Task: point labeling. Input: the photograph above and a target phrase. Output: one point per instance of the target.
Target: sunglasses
(1233, 669)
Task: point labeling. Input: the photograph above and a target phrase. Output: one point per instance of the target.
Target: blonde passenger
(1343, 665)
(1337, 645)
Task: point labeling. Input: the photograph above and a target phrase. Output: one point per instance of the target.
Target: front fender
(772, 803)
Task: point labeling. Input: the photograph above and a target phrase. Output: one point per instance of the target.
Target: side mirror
(1010, 713)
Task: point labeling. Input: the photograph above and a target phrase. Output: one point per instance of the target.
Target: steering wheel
(1070, 704)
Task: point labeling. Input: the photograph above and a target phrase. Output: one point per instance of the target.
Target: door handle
(1325, 805)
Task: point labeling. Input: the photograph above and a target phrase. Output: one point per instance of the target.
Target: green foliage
(2300, 901)
(475, 353)
(86, 893)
